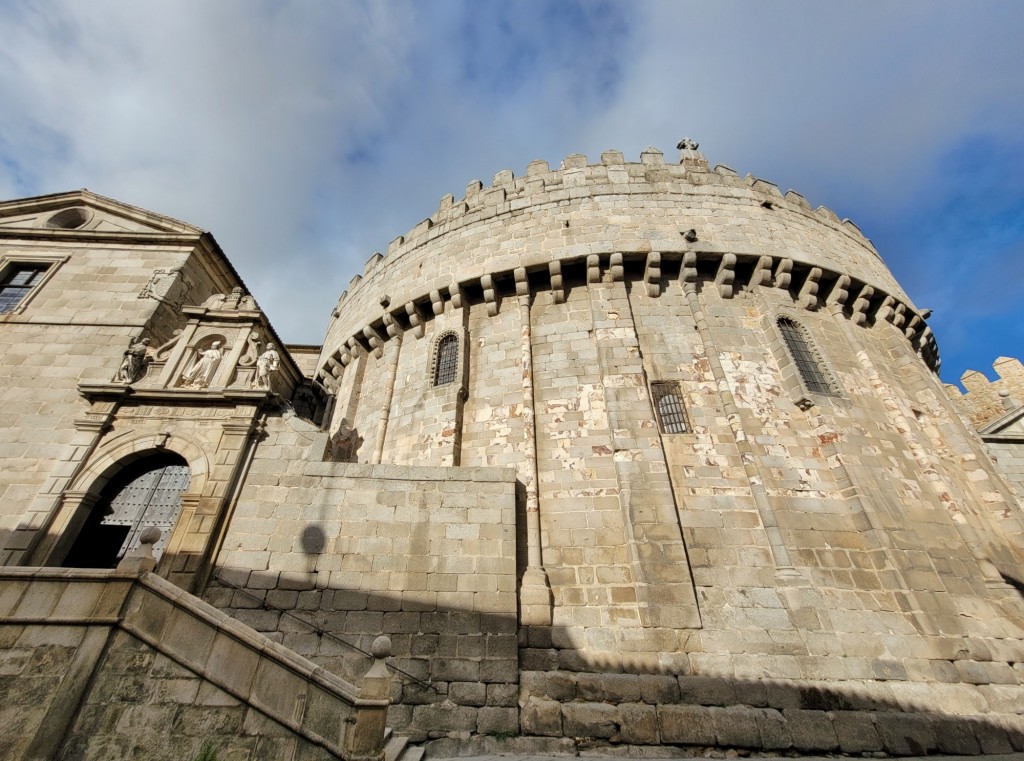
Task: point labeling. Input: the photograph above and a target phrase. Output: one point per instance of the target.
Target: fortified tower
(623, 453)
(734, 457)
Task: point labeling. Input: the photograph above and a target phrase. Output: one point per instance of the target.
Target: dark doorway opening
(145, 493)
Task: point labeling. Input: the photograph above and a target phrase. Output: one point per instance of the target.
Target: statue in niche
(134, 362)
(686, 144)
(200, 373)
(266, 365)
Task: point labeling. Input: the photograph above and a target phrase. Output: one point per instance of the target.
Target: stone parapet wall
(111, 663)
(987, 401)
(325, 556)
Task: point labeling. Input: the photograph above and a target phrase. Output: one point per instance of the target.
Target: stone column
(391, 353)
(535, 590)
(780, 553)
(658, 562)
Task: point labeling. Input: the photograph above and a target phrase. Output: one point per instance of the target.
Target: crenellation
(827, 213)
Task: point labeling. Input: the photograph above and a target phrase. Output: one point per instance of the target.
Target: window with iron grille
(814, 377)
(446, 362)
(668, 403)
(18, 281)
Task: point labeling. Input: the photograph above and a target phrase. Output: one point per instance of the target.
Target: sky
(307, 135)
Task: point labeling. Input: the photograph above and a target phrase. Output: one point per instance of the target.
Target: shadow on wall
(462, 673)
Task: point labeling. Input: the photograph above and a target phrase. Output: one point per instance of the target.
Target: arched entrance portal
(145, 493)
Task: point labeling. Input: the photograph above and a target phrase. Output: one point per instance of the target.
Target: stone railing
(184, 661)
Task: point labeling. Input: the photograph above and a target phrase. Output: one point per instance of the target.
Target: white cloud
(307, 135)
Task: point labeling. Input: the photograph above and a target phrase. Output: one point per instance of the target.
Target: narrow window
(18, 281)
(813, 376)
(669, 405)
(447, 361)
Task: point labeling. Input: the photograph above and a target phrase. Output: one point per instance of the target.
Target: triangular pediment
(1010, 425)
(86, 212)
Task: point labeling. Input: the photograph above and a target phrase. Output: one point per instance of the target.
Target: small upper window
(446, 362)
(807, 364)
(668, 403)
(18, 281)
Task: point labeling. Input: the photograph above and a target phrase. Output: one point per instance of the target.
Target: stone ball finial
(381, 647)
(150, 535)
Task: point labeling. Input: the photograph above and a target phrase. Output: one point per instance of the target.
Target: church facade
(630, 453)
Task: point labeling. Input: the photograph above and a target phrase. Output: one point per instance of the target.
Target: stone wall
(811, 716)
(341, 553)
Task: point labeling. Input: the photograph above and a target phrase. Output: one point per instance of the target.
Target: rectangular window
(668, 403)
(18, 281)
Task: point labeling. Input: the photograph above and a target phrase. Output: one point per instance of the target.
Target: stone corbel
(375, 340)
(762, 273)
(557, 286)
(652, 274)
(490, 295)
(615, 267)
(593, 268)
(415, 318)
(522, 282)
(808, 296)
(688, 271)
(725, 278)
(436, 303)
(840, 292)
(861, 304)
(456, 295)
(784, 273)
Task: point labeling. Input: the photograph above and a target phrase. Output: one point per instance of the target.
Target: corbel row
(815, 287)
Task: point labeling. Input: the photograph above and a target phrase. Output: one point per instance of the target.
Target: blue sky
(306, 136)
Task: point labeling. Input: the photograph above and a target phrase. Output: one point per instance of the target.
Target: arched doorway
(146, 492)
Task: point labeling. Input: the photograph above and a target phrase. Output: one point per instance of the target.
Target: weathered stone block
(736, 727)
(639, 724)
(590, 720)
(497, 720)
(905, 734)
(855, 731)
(773, 729)
(686, 725)
(811, 730)
(542, 717)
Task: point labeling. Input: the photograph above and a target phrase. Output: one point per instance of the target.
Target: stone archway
(146, 491)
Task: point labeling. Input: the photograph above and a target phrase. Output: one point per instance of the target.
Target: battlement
(985, 401)
(576, 177)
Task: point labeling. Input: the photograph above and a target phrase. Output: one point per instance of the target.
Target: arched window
(669, 405)
(446, 360)
(145, 493)
(807, 364)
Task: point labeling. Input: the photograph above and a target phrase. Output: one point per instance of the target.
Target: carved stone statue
(686, 144)
(266, 365)
(134, 361)
(203, 367)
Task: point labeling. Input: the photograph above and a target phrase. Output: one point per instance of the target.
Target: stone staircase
(398, 748)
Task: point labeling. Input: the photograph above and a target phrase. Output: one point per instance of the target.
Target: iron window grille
(669, 406)
(814, 378)
(446, 363)
(18, 282)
